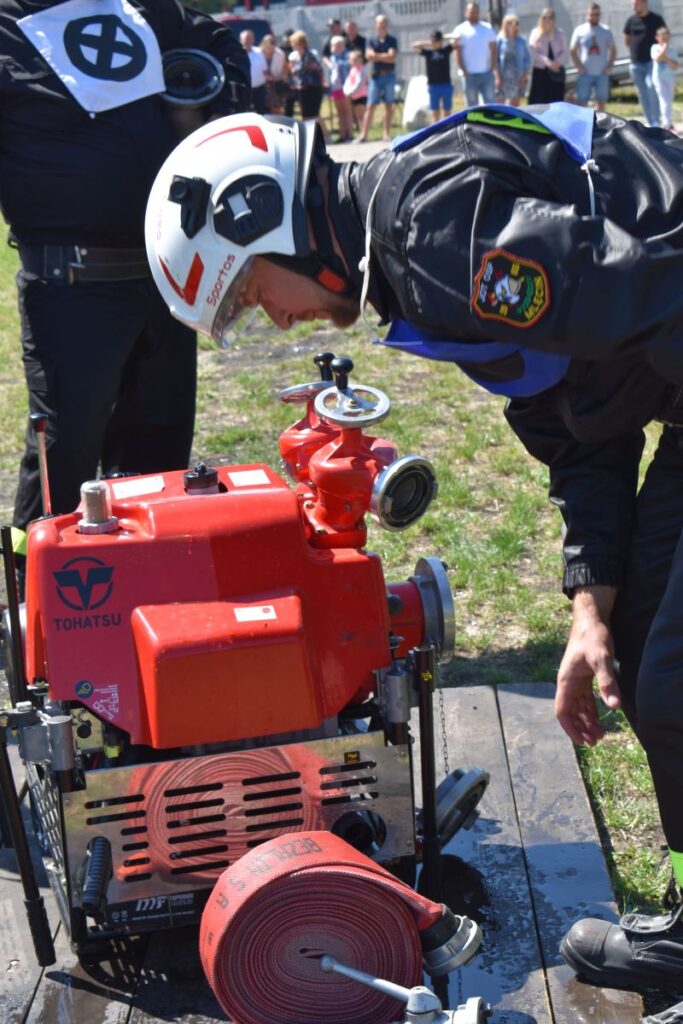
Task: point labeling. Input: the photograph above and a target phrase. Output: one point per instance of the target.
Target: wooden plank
(19, 972)
(98, 993)
(486, 874)
(566, 867)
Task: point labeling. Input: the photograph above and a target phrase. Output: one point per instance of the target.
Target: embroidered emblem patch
(510, 289)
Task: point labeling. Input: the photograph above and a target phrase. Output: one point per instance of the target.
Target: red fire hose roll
(282, 906)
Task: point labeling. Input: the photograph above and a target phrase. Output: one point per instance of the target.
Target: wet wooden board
(567, 872)
(98, 993)
(538, 852)
(486, 876)
(531, 865)
(19, 972)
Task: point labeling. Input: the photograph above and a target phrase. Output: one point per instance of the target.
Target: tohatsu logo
(84, 583)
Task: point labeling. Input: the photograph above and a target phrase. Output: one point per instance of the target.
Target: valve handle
(341, 368)
(299, 394)
(352, 407)
(323, 361)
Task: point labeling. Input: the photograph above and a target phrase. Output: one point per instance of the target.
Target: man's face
(288, 297)
(472, 13)
(593, 14)
(335, 28)
(640, 7)
(351, 29)
(381, 25)
(247, 39)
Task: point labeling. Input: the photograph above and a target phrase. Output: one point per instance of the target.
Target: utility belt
(75, 264)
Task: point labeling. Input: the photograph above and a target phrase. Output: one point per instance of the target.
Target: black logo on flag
(103, 47)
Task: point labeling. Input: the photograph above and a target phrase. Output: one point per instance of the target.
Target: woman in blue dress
(514, 61)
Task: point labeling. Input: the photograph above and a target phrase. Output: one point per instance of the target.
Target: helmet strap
(323, 264)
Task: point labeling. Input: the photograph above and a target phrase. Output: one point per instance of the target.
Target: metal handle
(419, 999)
(33, 901)
(39, 424)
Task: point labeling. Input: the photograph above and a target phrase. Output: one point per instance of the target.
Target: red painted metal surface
(203, 617)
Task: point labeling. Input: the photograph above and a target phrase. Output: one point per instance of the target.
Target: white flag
(104, 51)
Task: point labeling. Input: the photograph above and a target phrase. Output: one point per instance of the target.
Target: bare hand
(589, 654)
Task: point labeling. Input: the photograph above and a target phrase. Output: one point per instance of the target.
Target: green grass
(491, 523)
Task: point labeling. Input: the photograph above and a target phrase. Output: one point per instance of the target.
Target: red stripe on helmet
(256, 136)
(188, 291)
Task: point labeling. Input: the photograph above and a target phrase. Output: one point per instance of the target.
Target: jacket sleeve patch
(510, 289)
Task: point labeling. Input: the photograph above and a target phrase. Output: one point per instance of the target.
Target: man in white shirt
(477, 57)
(259, 68)
(593, 50)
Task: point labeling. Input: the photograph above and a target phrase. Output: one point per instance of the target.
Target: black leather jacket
(614, 288)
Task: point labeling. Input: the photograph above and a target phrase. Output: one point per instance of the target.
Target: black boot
(639, 952)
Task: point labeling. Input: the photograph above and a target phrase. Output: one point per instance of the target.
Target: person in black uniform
(541, 249)
(83, 132)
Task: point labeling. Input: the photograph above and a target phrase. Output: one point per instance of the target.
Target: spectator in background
(477, 56)
(592, 50)
(257, 65)
(514, 61)
(338, 68)
(305, 76)
(335, 29)
(664, 64)
(276, 75)
(354, 39)
(382, 51)
(639, 35)
(286, 47)
(438, 60)
(356, 86)
(548, 54)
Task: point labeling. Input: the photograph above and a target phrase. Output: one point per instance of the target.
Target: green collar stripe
(502, 120)
(677, 865)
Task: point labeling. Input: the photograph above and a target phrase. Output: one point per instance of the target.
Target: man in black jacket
(543, 252)
(83, 131)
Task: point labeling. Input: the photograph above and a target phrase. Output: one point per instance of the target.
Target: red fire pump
(210, 679)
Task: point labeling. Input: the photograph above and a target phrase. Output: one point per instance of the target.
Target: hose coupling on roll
(449, 943)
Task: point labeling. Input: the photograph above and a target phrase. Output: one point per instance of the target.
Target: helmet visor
(231, 317)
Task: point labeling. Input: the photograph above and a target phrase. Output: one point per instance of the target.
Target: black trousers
(116, 375)
(648, 629)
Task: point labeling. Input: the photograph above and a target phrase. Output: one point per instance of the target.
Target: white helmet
(235, 188)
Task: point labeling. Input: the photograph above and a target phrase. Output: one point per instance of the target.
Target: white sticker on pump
(248, 478)
(137, 485)
(255, 614)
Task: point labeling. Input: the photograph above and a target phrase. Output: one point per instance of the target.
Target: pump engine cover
(204, 617)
